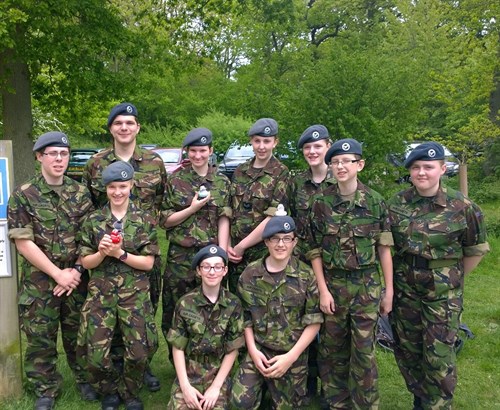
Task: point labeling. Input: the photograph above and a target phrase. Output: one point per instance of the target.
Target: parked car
(77, 159)
(235, 155)
(172, 158)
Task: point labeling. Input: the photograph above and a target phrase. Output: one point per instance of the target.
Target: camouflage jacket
(446, 226)
(201, 228)
(279, 312)
(303, 191)
(139, 238)
(52, 220)
(347, 233)
(255, 195)
(149, 177)
(203, 328)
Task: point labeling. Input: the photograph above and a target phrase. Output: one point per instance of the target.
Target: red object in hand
(116, 236)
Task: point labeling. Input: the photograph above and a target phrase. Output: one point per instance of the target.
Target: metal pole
(10, 338)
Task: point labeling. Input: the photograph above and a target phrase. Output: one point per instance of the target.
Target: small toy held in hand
(116, 236)
(202, 192)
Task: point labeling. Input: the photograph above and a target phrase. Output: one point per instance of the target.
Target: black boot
(151, 381)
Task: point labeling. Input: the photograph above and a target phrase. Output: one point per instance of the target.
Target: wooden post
(10, 338)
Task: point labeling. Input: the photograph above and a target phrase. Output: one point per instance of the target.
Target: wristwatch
(79, 268)
(124, 256)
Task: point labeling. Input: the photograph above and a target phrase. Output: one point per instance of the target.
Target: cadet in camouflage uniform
(257, 187)
(439, 237)
(314, 143)
(282, 316)
(206, 335)
(352, 240)
(118, 290)
(148, 190)
(192, 222)
(44, 218)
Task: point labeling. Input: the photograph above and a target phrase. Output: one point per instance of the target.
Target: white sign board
(5, 265)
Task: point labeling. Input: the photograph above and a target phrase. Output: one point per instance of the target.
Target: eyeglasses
(277, 239)
(208, 268)
(343, 162)
(55, 154)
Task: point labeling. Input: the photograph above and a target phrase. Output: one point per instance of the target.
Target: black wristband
(79, 268)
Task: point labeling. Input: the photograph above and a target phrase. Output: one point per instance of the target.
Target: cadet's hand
(108, 248)
(210, 398)
(233, 255)
(279, 365)
(326, 303)
(261, 362)
(197, 204)
(386, 304)
(192, 397)
(60, 291)
(68, 278)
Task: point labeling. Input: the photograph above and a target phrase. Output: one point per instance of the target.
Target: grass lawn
(478, 362)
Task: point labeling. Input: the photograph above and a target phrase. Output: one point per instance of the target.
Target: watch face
(124, 256)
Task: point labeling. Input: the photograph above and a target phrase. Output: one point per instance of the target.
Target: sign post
(10, 340)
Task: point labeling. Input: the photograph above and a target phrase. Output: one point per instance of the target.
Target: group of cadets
(270, 281)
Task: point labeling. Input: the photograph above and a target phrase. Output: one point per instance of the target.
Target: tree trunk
(17, 116)
(462, 178)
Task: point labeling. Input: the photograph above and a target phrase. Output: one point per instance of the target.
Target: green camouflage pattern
(344, 233)
(302, 194)
(428, 302)
(150, 178)
(118, 295)
(206, 332)
(255, 195)
(346, 350)
(196, 232)
(278, 312)
(52, 220)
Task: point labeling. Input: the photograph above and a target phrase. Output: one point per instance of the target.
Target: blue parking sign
(4, 187)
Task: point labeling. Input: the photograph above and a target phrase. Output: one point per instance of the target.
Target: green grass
(478, 362)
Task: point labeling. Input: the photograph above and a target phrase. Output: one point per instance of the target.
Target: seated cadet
(281, 310)
(206, 334)
(119, 247)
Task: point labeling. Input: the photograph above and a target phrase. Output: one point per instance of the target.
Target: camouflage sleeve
(280, 193)
(312, 247)
(19, 219)
(244, 298)
(88, 241)
(148, 238)
(234, 333)
(313, 313)
(167, 208)
(474, 240)
(178, 334)
(385, 237)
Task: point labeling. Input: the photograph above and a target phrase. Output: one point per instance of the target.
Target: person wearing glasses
(351, 240)
(44, 220)
(280, 302)
(314, 143)
(147, 192)
(206, 333)
(118, 246)
(439, 238)
(192, 220)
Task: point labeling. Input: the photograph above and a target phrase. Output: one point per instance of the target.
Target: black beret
(124, 108)
(313, 133)
(265, 127)
(51, 139)
(198, 137)
(427, 151)
(117, 171)
(278, 224)
(208, 252)
(344, 146)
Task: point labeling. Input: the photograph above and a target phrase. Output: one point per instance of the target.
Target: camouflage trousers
(286, 393)
(179, 278)
(123, 302)
(201, 372)
(425, 320)
(346, 351)
(235, 270)
(40, 318)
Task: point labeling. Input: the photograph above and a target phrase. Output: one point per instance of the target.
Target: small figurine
(203, 193)
(116, 236)
(280, 211)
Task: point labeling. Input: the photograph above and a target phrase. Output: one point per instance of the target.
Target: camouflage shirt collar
(291, 268)
(439, 199)
(201, 300)
(44, 187)
(359, 195)
(137, 155)
(272, 167)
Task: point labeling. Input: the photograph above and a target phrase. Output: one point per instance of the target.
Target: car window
(245, 151)
(170, 156)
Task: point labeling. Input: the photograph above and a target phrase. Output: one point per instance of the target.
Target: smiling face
(281, 246)
(54, 161)
(124, 129)
(314, 152)
(345, 167)
(118, 192)
(212, 270)
(263, 149)
(425, 176)
(199, 155)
